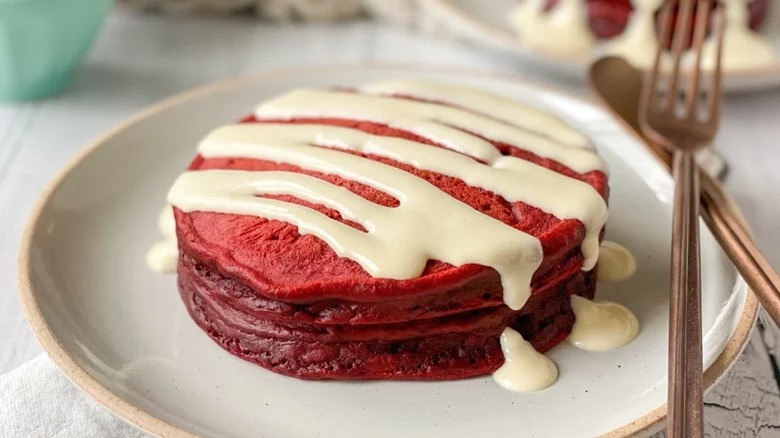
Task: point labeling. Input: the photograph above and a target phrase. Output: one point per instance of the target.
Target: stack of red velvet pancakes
(290, 301)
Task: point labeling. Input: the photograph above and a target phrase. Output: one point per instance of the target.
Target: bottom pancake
(451, 347)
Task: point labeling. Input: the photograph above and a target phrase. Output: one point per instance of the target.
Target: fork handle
(685, 351)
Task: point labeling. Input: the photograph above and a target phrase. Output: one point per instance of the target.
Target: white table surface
(139, 59)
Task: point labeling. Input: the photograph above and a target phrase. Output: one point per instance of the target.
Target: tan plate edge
(134, 415)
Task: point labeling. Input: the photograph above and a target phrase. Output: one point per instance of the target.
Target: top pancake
(277, 262)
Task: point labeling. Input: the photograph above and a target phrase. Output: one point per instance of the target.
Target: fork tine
(694, 80)
(681, 32)
(650, 90)
(716, 90)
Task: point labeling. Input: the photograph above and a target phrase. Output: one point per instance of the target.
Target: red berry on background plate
(608, 18)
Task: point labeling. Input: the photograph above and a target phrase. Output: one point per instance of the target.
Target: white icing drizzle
(381, 251)
(524, 369)
(513, 179)
(500, 108)
(386, 250)
(563, 30)
(742, 48)
(638, 43)
(616, 263)
(442, 124)
(601, 325)
(163, 255)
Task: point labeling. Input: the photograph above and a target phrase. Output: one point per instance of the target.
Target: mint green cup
(42, 42)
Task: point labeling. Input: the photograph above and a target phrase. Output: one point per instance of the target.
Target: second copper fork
(683, 116)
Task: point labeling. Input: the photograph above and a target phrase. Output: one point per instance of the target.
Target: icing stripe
(500, 108)
(439, 123)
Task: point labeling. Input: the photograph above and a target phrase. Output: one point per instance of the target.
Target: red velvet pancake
(286, 301)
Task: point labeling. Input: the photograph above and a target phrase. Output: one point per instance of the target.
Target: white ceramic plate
(485, 22)
(121, 333)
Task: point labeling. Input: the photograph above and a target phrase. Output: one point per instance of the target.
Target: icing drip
(742, 48)
(601, 325)
(562, 30)
(616, 263)
(524, 369)
(638, 43)
(163, 256)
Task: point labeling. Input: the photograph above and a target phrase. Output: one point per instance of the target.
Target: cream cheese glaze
(601, 325)
(524, 369)
(451, 127)
(512, 178)
(500, 108)
(514, 254)
(616, 263)
(449, 237)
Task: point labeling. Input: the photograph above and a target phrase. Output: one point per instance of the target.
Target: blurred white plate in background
(485, 22)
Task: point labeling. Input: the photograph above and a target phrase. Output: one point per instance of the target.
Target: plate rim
(498, 38)
(150, 423)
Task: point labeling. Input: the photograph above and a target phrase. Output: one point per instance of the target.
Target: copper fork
(683, 116)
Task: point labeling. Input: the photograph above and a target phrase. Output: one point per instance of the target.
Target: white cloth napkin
(38, 401)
